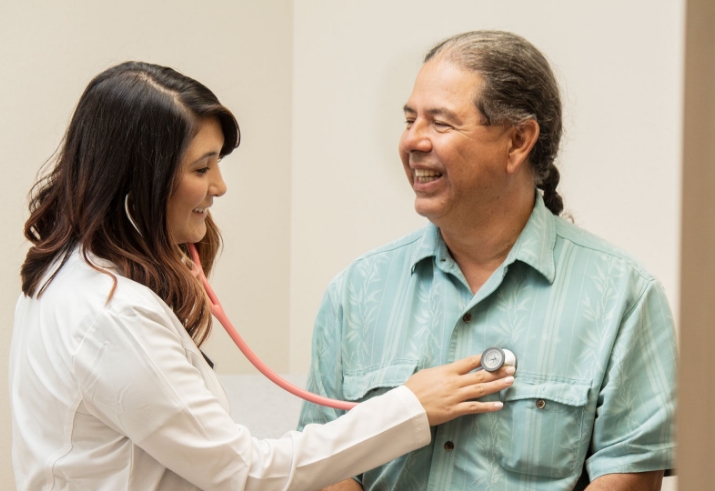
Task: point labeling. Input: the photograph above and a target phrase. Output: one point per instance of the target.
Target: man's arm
(346, 485)
(325, 376)
(642, 481)
(633, 431)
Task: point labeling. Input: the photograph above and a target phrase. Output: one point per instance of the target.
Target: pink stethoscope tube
(220, 314)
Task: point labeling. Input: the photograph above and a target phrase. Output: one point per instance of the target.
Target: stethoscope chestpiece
(494, 358)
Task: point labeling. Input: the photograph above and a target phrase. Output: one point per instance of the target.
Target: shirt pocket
(540, 428)
(369, 382)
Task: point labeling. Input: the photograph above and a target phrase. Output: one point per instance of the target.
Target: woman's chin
(191, 238)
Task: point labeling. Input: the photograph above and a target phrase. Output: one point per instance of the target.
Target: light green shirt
(590, 327)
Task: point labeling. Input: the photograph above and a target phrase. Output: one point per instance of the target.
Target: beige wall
(696, 424)
(242, 50)
(317, 87)
(619, 64)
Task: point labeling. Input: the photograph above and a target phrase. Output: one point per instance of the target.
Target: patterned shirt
(591, 329)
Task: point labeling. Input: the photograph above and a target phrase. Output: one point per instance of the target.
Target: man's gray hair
(518, 85)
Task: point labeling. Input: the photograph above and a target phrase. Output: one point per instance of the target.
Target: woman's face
(198, 181)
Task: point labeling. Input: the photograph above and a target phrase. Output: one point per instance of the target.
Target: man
(592, 331)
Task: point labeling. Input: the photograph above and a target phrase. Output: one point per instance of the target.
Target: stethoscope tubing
(220, 314)
(506, 357)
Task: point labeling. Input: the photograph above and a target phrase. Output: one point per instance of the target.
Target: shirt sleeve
(325, 376)
(634, 426)
(135, 377)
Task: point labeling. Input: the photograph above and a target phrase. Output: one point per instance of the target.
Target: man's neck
(480, 245)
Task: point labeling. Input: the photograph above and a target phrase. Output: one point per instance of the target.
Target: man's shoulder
(599, 247)
(401, 250)
(404, 245)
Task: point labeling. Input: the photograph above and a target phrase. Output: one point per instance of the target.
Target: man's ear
(523, 139)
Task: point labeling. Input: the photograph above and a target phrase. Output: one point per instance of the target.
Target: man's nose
(416, 139)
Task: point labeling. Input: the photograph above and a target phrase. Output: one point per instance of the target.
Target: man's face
(455, 162)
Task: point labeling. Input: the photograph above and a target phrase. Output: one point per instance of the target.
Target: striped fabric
(591, 329)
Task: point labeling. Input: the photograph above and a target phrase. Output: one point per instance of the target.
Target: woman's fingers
(448, 391)
(482, 376)
(476, 391)
(476, 407)
(466, 365)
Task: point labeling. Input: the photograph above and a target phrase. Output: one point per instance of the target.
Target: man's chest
(564, 328)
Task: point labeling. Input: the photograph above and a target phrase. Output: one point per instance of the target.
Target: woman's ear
(523, 139)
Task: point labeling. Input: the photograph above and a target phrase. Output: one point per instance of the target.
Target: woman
(108, 387)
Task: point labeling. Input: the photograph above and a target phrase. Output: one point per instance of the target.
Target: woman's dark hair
(127, 136)
(518, 85)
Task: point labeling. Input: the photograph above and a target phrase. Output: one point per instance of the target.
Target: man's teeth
(423, 175)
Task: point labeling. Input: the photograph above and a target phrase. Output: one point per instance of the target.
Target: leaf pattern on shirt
(364, 302)
(427, 325)
(496, 472)
(625, 401)
(409, 477)
(600, 306)
(514, 300)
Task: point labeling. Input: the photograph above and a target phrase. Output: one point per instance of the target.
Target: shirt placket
(447, 445)
(457, 295)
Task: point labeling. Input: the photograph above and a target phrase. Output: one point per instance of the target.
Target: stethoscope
(492, 358)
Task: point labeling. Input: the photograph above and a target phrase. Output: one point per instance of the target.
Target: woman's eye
(202, 170)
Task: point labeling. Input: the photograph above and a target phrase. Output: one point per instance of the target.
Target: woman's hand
(445, 392)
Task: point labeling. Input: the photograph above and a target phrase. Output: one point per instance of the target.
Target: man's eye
(441, 124)
(409, 122)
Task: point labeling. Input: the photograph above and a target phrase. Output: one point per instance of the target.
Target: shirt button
(449, 446)
(540, 403)
(467, 317)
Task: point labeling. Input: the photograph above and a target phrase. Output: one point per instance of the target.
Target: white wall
(620, 67)
(329, 78)
(242, 50)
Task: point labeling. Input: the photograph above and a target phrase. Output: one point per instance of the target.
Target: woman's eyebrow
(204, 156)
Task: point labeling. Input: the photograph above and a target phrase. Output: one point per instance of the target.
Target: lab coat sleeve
(135, 377)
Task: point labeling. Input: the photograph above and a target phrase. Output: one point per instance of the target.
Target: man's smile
(424, 175)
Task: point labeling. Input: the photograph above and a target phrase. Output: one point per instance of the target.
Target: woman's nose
(218, 186)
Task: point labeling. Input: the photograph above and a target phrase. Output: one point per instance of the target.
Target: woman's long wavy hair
(127, 136)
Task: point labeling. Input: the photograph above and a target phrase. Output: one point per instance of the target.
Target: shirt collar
(431, 245)
(535, 245)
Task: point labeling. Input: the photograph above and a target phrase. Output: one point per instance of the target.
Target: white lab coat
(117, 396)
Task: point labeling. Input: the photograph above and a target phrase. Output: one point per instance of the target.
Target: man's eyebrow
(443, 111)
(438, 111)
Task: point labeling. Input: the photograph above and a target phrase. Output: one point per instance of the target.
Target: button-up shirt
(590, 327)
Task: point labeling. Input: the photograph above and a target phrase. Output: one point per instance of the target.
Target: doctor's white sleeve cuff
(371, 434)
